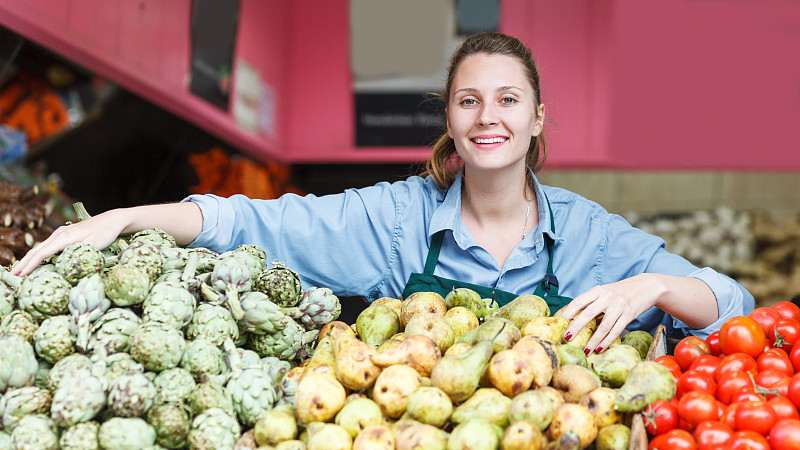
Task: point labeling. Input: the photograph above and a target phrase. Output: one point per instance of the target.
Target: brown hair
(441, 164)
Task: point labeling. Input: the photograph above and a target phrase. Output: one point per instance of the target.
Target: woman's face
(492, 112)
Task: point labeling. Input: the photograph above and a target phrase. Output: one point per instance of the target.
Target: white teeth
(496, 140)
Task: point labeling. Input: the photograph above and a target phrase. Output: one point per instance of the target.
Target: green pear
(522, 309)
(459, 375)
(503, 333)
(487, 404)
(475, 434)
(533, 406)
(569, 354)
(276, 425)
(377, 323)
(358, 414)
(613, 365)
(434, 326)
(647, 382)
(429, 404)
(410, 434)
(522, 435)
(640, 340)
(613, 437)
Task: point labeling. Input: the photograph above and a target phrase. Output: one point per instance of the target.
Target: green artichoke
(251, 388)
(153, 236)
(283, 344)
(87, 302)
(230, 277)
(81, 436)
(175, 258)
(127, 284)
(169, 303)
(261, 316)
(172, 422)
(18, 364)
(78, 398)
(275, 367)
(44, 293)
(288, 389)
(281, 284)
(78, 261)
(19, 322)
(35, 432)
(317, 307)
(157, 346)
(120, 363)
(64, 367)
(173, 385)
(146, 256)
(214, 323)
(120, 433)
(5, 441)
(53, 340)
(18, 403)
(112, 331)
(131, 395)
(214, 429)
(202, 357)
(7, 300)
(209, 395)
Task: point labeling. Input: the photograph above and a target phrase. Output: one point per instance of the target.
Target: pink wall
(628, 83)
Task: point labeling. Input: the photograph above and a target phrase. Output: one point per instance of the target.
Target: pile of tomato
(737, 389)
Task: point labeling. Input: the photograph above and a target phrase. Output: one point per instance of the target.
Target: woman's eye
(508, 100)
(468, 102)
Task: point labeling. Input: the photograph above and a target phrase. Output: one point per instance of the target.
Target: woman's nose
(488, 115)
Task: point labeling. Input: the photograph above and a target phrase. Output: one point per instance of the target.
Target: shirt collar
(447, 216)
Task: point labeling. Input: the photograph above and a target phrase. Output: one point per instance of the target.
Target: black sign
(388, 120)
(214, 25)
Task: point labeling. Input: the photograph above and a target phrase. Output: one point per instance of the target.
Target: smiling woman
(477, 217)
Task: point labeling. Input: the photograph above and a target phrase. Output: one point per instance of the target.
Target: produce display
(149, 345)
(737, 389)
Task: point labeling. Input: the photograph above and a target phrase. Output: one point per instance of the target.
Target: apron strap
(433, 253)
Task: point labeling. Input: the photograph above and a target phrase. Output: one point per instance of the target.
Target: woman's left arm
(641, 280)
(687, 299)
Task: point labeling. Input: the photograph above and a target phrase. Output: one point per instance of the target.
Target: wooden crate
(638, 433)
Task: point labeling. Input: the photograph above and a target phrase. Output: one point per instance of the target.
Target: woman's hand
(689, 300)
(620, 303)
(100, 231)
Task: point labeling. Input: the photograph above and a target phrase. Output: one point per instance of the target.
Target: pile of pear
(459, 372)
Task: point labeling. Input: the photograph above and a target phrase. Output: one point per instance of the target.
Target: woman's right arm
(183, 221)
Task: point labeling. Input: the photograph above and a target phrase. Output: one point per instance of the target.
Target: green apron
(427, 281)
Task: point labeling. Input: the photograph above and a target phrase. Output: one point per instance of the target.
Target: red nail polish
(568, 336)
(586, 351)
(598, 349)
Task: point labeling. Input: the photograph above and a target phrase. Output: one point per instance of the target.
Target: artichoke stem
(210, 295)
(82, 340)
(234, 305)
(80, 211)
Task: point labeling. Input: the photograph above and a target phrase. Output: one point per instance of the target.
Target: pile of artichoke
(146, 344)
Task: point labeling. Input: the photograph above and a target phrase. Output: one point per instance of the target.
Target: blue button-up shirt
(368, 241)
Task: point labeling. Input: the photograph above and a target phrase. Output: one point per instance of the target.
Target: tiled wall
(682, 191)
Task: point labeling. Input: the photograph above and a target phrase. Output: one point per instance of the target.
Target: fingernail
(586, 351)
(567, 336)
(598, 349)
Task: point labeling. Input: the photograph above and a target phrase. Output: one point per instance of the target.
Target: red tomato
(794, 389)
(785, 435)
(768, 378)
(676, 439)
(709, 364)
(697, 406)
(741, 334)
(695, 380)
(775, 359)
(688, 349)
(748, 440)
(783, 407)
(713, 343)
(734, 362)
(766, 318)
(729, 416)
(731, 383)
(670, 363)
(788, 310)
(660, 417)
(794, 357)
(787, 332)
(781, 387)
(755, 416)
(710, 435)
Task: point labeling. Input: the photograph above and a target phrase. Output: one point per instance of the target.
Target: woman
(478, 218)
